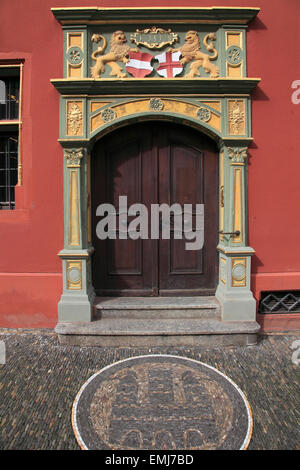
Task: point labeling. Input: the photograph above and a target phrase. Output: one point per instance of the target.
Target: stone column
(238, 303)
(78, 294)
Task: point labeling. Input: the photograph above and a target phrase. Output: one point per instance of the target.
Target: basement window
(279, 302)
(10, 126)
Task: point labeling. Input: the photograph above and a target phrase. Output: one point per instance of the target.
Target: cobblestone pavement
(41, 378)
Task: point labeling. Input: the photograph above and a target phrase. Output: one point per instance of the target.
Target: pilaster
(233, 292)
(78, 293)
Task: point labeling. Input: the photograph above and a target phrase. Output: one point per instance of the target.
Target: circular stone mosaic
(161, 402)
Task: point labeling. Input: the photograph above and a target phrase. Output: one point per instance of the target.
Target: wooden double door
(155, 163)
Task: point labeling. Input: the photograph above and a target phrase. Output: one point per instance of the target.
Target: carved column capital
(238, 155)
(73, 157)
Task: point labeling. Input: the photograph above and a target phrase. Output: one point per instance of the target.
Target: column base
(76, 303)
(239, 306)
(233, 292)
(76, 308)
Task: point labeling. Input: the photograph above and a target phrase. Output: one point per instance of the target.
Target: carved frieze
(187, 60)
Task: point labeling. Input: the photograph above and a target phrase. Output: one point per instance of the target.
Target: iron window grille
(279, 302)
(10, 126)
(8, 170)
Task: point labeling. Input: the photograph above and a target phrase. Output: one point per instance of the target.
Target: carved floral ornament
(74, 118)
(236, 118)
(138, 63)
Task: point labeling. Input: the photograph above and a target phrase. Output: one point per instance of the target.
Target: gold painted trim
(74, 227)
(239, 281)
(76, 254)
(237, 222)
(74, 285)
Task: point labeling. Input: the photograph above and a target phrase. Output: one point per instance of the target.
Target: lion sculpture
(118, 53)
(190, 52)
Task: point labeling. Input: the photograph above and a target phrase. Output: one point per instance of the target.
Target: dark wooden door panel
(124, 266)
(156, 163)
(188, 175)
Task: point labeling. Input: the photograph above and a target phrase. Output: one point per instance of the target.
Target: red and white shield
(139, 64)
(169, 65)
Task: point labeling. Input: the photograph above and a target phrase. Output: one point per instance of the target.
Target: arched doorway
(155, 163)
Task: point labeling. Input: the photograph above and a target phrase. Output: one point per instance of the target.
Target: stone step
(111, 332)
(156, 307)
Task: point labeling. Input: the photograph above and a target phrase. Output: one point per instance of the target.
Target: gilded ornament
(118, 53)
(156, 104)
(204, 114)
(74, 118)
(154, 38)
(190, 52)
(236, 117)
(73, 157)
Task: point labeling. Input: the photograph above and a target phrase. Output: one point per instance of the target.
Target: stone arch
(186, 116)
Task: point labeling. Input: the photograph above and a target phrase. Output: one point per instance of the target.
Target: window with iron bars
(8, 170)
(9, 134)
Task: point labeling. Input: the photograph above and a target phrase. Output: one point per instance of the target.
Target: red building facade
(32, 233)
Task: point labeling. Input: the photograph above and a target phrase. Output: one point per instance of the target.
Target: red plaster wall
(32, 235)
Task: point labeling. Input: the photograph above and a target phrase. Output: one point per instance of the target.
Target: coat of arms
(172, 62)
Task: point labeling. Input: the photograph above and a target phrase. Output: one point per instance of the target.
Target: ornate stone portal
(209, 91)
